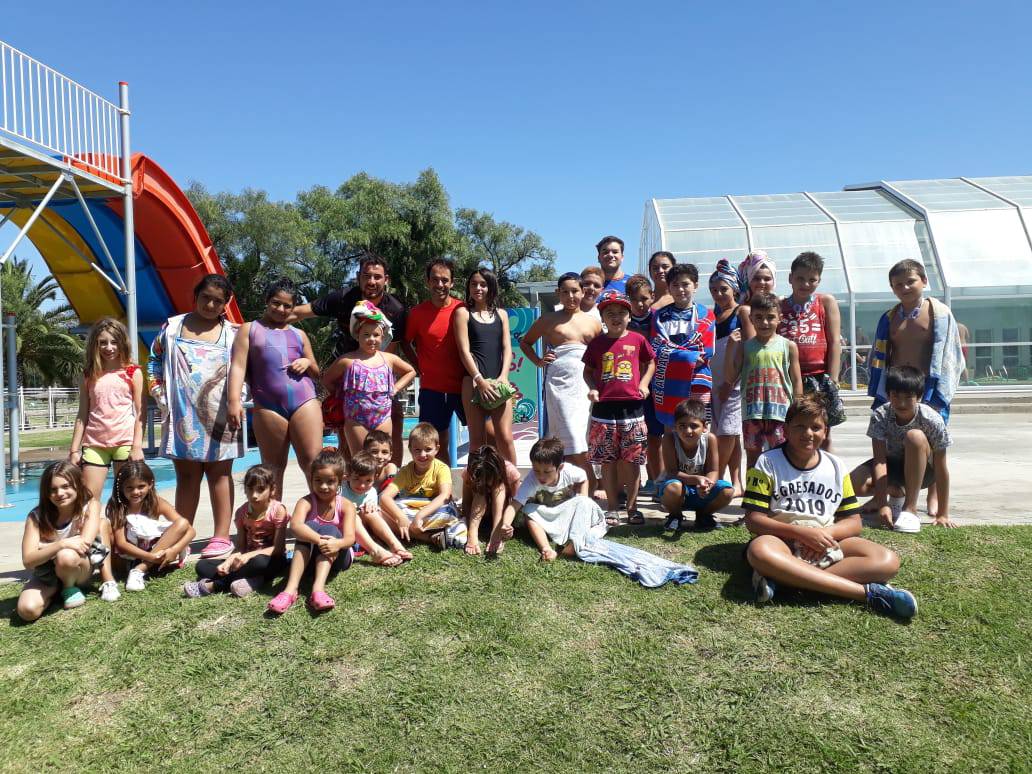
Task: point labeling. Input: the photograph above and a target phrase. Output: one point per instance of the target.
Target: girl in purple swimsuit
(368, 378)
(277, 361)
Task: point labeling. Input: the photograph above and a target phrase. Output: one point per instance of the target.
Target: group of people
(637, 372)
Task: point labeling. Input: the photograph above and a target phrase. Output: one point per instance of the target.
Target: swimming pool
(23, 497)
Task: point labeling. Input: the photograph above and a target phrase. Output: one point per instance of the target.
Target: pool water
(23, 497)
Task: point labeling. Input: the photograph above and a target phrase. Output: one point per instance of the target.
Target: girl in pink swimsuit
(368, 378)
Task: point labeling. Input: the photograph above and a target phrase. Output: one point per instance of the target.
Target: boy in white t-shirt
(800, 507)
(549, 496)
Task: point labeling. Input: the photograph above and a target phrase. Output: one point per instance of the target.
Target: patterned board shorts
(762, 433)
(823, 385)
(611, 440)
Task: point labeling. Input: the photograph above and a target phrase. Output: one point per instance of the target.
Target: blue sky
(561, 117)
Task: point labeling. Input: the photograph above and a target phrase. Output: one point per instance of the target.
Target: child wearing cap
(619, 366)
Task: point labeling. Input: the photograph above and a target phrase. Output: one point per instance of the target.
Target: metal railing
(40, 106)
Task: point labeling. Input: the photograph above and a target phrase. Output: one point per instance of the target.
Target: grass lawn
(45, 438)
(454, 664)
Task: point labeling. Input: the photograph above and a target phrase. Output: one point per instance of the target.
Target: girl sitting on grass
(488, 484)
(324, 525)
(800, 507)
(261, 538)
(64, 543)
(149, 535)
(109, 427)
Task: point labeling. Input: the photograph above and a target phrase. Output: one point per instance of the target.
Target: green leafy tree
(513, 253)
(49, 352)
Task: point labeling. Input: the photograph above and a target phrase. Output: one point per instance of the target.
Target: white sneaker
(135, 582)
(109, 591)
(907, 522)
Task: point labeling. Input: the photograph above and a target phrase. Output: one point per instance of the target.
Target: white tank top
(696, 464)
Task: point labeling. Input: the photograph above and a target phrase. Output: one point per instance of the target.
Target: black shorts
(437, 408)
(897, 472)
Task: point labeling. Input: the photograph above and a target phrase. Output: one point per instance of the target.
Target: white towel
(566, 398)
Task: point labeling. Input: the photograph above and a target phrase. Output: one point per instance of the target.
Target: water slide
(173, 251)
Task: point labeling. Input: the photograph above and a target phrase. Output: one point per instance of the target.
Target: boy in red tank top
(812, 321)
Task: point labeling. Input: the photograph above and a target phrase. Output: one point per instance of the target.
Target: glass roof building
(973, 235)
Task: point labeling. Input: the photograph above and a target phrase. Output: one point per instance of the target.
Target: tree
(258, 240)
(513, 253)
(49, 352)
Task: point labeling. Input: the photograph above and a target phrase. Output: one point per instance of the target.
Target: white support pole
(32, 219)
(96, 232)
(3, 451)
(13, 396)
(130, 228)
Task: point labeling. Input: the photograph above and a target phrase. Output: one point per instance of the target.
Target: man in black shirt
(371, 286)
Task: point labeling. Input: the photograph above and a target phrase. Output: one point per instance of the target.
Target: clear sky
(561, 117)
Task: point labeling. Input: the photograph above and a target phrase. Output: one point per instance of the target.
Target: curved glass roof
(971, 234)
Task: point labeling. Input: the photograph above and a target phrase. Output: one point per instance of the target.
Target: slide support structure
(130, 227)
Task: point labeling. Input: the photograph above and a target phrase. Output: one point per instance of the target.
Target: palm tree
(49, 352)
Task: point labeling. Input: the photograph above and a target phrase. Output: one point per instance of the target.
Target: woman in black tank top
(482, 333)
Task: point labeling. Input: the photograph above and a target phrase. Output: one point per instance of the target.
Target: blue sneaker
(884, 599)
(764, 588)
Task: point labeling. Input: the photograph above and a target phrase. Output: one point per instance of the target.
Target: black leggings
(261, 566)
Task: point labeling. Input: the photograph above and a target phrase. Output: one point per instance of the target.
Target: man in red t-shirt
(429, 329)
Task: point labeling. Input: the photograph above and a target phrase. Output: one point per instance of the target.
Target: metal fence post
(13, 393)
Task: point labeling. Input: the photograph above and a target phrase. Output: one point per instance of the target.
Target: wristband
(477, 376)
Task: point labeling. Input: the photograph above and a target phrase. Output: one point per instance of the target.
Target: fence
(52, 112)
(45, 408)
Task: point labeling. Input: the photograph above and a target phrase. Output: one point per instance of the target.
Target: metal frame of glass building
(972, 235)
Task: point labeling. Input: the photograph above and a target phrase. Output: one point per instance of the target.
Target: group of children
(755, 367)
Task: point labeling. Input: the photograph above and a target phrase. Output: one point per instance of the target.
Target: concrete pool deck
(990, 462)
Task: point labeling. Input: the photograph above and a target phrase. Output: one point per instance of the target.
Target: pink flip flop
(217, 547)
(281, 603)
(320, 602)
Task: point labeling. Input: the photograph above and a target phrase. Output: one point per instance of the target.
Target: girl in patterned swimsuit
(277, 360)
(368, 379)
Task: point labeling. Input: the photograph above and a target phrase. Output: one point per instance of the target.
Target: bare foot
(932, 505)
(598, 494)
(738, 492)
(548, 555)
(473, 547)
(386, 559)
(404, 554)
(496, 546)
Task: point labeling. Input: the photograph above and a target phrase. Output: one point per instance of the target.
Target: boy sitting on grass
(909, 441)
(419, 499)
(800, 507)
(554, 499)
(546, 497)
(692, 479)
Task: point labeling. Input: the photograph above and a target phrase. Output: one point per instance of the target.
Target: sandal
(320, 602)
(635, 517)
(217, 547)
(282, 602)
(196, 589)
(404, 554)
(612, 518)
